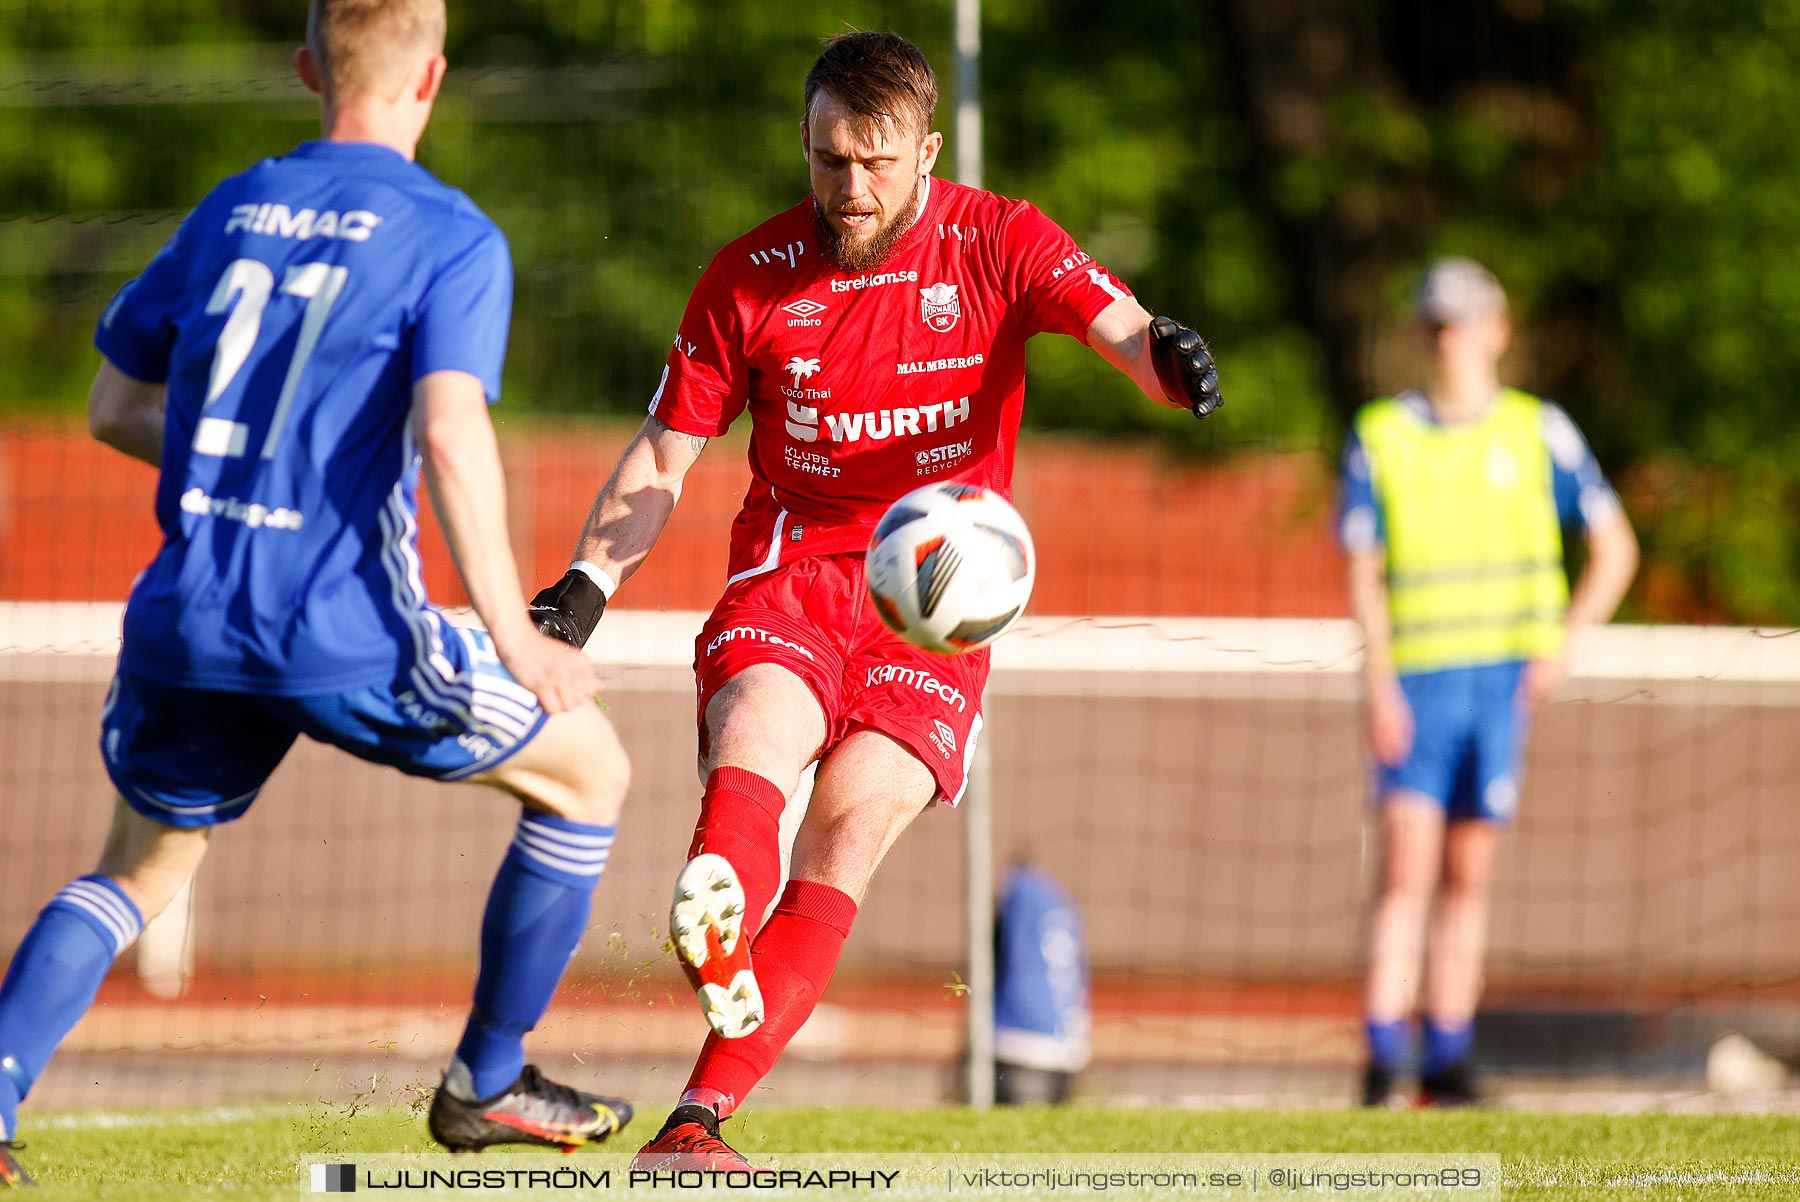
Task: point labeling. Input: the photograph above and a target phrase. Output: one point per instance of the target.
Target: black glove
(1184, 366)
(569, 609)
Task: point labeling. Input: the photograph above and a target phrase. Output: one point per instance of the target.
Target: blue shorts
(191, 757)
(1468, 740)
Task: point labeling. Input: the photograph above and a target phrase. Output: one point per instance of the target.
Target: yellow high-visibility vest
(1474, 547)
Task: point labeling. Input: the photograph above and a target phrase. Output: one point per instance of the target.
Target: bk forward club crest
(940, 307)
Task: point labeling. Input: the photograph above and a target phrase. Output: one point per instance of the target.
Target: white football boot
(706, 923)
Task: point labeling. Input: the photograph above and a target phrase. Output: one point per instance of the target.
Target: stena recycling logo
(940, 307)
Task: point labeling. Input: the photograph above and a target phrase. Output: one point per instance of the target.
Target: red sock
(740, 819)
(794, 959)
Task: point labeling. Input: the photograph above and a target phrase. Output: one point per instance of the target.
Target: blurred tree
(1624, 166)
(1274, 171)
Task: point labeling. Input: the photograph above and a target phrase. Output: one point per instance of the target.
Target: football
(950, 567)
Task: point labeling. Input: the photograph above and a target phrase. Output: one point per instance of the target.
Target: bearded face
(861, 240)
(868, 181)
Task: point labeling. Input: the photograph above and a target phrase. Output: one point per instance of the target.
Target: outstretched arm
(127, 414)
(462, 469)
(1122, 336)
(633, 506)
(1170, 363)
(623, 524)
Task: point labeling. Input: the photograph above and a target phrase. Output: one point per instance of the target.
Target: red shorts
(813, 618)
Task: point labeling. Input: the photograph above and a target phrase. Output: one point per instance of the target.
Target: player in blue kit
(319, 326)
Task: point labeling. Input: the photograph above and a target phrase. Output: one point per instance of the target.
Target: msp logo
(804, 312)
(944, 739)
(789, 254)
(940, 307)
(334, 1179)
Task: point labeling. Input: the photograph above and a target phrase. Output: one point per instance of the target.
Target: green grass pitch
(255, 1154)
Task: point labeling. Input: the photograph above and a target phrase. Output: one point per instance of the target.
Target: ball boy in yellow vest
(1455, 499)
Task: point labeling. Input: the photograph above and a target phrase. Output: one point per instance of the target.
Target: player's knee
(747, 736)
(150, 861)
(851, 841)
(1463, 889)
(591, 797)
(1409, 884)
(578, 771)
(596, 793)
(845, 832)
(736, 723)
(764, 718)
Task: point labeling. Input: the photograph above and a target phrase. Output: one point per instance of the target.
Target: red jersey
(863, 387)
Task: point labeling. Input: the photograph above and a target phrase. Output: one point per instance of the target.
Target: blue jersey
(290, 316)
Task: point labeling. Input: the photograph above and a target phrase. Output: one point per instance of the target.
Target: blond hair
(368, 45)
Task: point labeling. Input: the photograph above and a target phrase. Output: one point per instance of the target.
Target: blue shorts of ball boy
(1469, 731)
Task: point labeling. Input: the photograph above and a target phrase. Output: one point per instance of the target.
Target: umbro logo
(805, 312)
(945, 741)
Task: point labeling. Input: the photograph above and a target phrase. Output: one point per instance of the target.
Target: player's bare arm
(1170, 363)
(1390, 718)
(633, 506)
(127, 414)
(1611, 563)
(462, 469)
(626, 519)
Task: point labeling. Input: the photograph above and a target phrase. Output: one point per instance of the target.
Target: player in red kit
(876, 333)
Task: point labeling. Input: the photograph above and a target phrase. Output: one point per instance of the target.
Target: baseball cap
(1455, 291)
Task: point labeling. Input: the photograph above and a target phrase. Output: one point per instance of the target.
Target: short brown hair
(361, 45)
(880, 77)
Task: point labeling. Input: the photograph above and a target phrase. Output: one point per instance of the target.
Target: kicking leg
(870, 788)
(763, 727)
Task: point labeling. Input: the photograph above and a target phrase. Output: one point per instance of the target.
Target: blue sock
(1446, 1045)
(535, 915)
(1389, 1044)
(53, 978)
